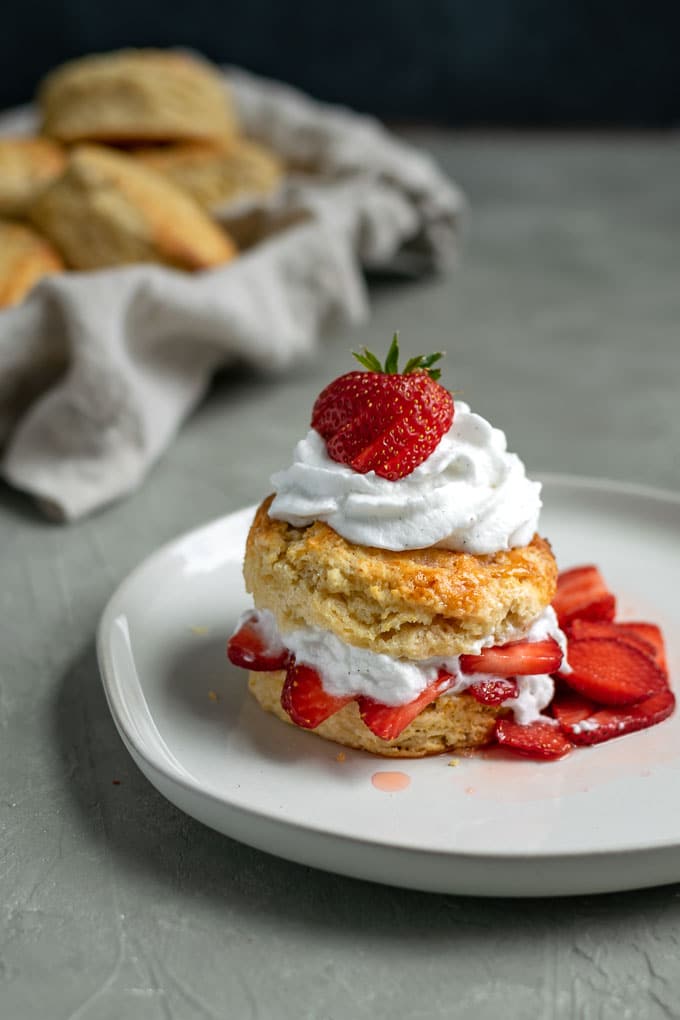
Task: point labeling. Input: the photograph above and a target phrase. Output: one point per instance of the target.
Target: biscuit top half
(414, 604)
(136, 96)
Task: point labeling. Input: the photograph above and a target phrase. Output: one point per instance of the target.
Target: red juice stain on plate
(390, 782)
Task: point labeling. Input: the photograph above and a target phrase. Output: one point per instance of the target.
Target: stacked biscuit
(416, 605)
(137, 151)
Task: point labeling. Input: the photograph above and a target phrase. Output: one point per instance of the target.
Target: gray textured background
(562, 325)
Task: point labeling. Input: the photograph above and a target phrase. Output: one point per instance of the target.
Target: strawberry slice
(603, 628)
(582, 594)
(251, 647)
(611, 722)
(611, 671)
(304, 698)
(494, 692)
(652, 634)
(388, 721)
(519, 658)
(570, 708)
(540, 740)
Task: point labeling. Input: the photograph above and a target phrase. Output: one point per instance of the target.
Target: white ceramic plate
(605, 818)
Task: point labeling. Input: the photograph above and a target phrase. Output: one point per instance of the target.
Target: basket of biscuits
(161, 218)
(137, 153)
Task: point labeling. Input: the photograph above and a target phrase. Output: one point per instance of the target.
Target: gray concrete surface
(562, 324)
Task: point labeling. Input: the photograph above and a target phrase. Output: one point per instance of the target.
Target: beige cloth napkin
(98, 370)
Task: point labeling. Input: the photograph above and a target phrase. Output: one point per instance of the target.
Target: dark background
(463, 62)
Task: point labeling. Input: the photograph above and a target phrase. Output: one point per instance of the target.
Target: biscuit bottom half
(452, 722)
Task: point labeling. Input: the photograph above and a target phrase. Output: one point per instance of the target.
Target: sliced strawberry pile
(384, 420)
(569, 707)
(247, 648)
(537, 740)
(494, 692)
(579, 629)
(608, 722)
(304, 698)
(387, 721)
(610, 671)
(650, 633)
(519, 658)
(583, 595)
(586, 722)
(618, 681)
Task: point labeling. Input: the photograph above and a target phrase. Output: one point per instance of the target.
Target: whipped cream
(533, 695)
(470, 494)
(546, 626)
(348, 671)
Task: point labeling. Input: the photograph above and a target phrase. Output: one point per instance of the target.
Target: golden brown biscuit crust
(135, 96)
(216, 174)
(27, 165)
(25, 258)
(414, 604)
(452, 722)
(107, 209)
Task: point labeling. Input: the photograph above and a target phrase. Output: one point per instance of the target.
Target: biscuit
(107, 209)
(25, 258)
(414, 604)
(218, 174)
(136, 96)
(27, 165)
(453, 721)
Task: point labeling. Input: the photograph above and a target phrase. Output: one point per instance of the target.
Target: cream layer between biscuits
(348, 671)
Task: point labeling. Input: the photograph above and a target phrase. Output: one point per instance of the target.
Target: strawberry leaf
(424, 362)
(421, 362)
(429, 359)
(392, 359)
(368, 360)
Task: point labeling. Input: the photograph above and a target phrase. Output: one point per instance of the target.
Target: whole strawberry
(384, 420)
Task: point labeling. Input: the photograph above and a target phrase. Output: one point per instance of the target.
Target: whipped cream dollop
(470, 494)
(348, 671)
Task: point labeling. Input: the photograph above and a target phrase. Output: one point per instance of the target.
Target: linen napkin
(99, 369)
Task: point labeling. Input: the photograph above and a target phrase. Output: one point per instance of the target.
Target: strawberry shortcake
(405, 603)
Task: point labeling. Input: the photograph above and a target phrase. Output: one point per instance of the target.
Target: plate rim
(159, 764)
